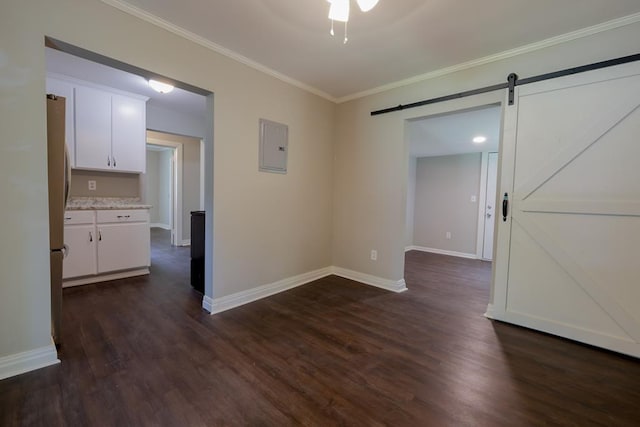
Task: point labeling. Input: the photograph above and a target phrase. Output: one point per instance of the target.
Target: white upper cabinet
(128, 129)
(93, 128)
(106, 129)
(65, 89)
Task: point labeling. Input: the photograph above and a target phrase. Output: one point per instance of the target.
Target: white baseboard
(491, 312)
(228, 302)
(157, 225)
(207, 303)
(185, 242)
(31, 360)
(68, 283)
(367, 279)
(218, 305)
(441, 252)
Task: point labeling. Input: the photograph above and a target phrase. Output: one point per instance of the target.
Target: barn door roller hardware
(512, 82)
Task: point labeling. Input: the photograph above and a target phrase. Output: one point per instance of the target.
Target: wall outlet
(448, 235)
(474, 199)
(92, 185)
(374, 255)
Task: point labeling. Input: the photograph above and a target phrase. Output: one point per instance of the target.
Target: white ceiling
(453, 133)
(397, 40)
(178, 100)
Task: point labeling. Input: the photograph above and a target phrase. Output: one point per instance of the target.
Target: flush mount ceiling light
(479, 139)
(339, 11)
(160, 86)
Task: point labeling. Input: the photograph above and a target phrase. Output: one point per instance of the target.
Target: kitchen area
(100, 129)
(106, 235)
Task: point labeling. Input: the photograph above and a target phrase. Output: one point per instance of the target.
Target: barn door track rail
(512, 82)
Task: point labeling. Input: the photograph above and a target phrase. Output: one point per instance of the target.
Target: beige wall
(371, 166)
(150, 190)
(176, 122)
(157, 191)
(267, 227)
(190, 174)
(190, 184)
(164, 187)
(411, 201)
(443, 189)
(108, 184)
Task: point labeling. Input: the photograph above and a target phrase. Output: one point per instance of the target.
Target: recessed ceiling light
(160, 86)
(479, 139)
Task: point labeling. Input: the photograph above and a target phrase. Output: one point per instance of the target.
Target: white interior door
(567, 256)
(490, 206)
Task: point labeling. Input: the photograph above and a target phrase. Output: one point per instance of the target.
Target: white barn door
(568, 255)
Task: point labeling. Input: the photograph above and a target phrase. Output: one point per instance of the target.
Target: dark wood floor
(334, 352)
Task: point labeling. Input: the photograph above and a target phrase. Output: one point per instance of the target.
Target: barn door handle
(505, 206)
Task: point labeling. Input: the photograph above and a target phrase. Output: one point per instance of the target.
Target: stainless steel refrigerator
(59, 180)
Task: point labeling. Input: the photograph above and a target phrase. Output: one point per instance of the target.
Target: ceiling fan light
(367, 5)
(339, 10)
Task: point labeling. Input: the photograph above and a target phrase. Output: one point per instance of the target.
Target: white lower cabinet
(123, 246)
(80, 240)
(105, 243)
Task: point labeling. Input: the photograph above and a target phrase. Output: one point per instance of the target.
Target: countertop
(86, 203)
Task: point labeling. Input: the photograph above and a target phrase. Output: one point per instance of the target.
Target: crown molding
(585, 32)
(166, 25)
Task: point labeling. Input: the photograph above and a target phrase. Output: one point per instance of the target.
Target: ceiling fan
(339, 11)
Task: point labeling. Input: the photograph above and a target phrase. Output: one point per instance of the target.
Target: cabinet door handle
(90, 237)
(100, 235)
(114, 162)
(124, 216)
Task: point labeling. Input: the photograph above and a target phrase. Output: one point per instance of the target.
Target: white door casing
(490, 210)
(566, 257)
(176, 183)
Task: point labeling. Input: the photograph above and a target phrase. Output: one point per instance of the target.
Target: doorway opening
(452, 179)
(173, 184)
(188, 110)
